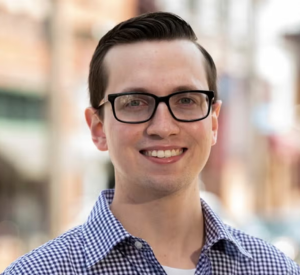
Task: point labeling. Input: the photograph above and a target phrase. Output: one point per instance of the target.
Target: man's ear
(216, 107)
(96, 127)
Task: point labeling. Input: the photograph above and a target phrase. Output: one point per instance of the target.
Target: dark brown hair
(146, 27)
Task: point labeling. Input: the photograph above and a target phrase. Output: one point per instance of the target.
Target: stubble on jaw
(140, 191)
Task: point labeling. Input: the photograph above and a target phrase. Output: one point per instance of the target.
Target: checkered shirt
(103, 246)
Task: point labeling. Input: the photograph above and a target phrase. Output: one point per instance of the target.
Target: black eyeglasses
(137, 107)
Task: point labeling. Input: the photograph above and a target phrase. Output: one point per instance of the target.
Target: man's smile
(162, 153)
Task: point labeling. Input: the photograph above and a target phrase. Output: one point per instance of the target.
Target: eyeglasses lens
(140, 107)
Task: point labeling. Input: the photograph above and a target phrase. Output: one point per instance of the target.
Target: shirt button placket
(205, 267)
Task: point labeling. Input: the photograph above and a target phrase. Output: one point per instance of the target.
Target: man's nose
(162, 124)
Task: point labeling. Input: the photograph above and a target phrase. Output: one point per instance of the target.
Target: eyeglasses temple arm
(103, 101)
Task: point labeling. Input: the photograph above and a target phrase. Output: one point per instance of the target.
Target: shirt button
(138, 245)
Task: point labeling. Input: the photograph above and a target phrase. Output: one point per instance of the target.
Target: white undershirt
(176, 271)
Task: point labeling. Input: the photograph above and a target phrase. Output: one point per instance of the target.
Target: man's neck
(173, 225)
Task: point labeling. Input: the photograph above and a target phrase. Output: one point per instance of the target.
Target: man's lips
(163, 153)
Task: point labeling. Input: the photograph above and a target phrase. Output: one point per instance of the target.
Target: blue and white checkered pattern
(103, 246)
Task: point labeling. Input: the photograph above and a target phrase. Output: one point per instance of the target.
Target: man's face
(160, 68)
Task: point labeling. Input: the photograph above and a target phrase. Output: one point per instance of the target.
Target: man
(155, 109)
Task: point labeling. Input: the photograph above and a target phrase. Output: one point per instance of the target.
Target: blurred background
(51, 173)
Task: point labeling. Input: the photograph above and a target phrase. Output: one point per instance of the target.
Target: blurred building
(46, 156)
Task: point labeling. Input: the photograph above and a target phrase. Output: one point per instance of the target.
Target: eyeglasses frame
(111, 98)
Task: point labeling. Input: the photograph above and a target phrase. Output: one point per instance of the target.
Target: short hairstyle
(146, 27)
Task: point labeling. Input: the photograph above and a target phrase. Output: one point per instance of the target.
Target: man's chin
(164, 185)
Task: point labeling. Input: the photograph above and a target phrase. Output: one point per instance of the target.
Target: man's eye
(135, 103)
(185, 101)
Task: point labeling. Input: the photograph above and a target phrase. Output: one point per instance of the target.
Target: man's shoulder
(53, 257)
(263, 253)
(255, 246)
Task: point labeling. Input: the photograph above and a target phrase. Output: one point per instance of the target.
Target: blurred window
(17, 106)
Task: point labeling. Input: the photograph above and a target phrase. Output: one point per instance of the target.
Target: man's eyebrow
(185, 88)
(174, 90)
(135, 90)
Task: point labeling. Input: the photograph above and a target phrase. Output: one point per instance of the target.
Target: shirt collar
(216, 231)
(102, 231)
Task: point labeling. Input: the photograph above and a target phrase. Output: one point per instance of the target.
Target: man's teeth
(164, 153)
